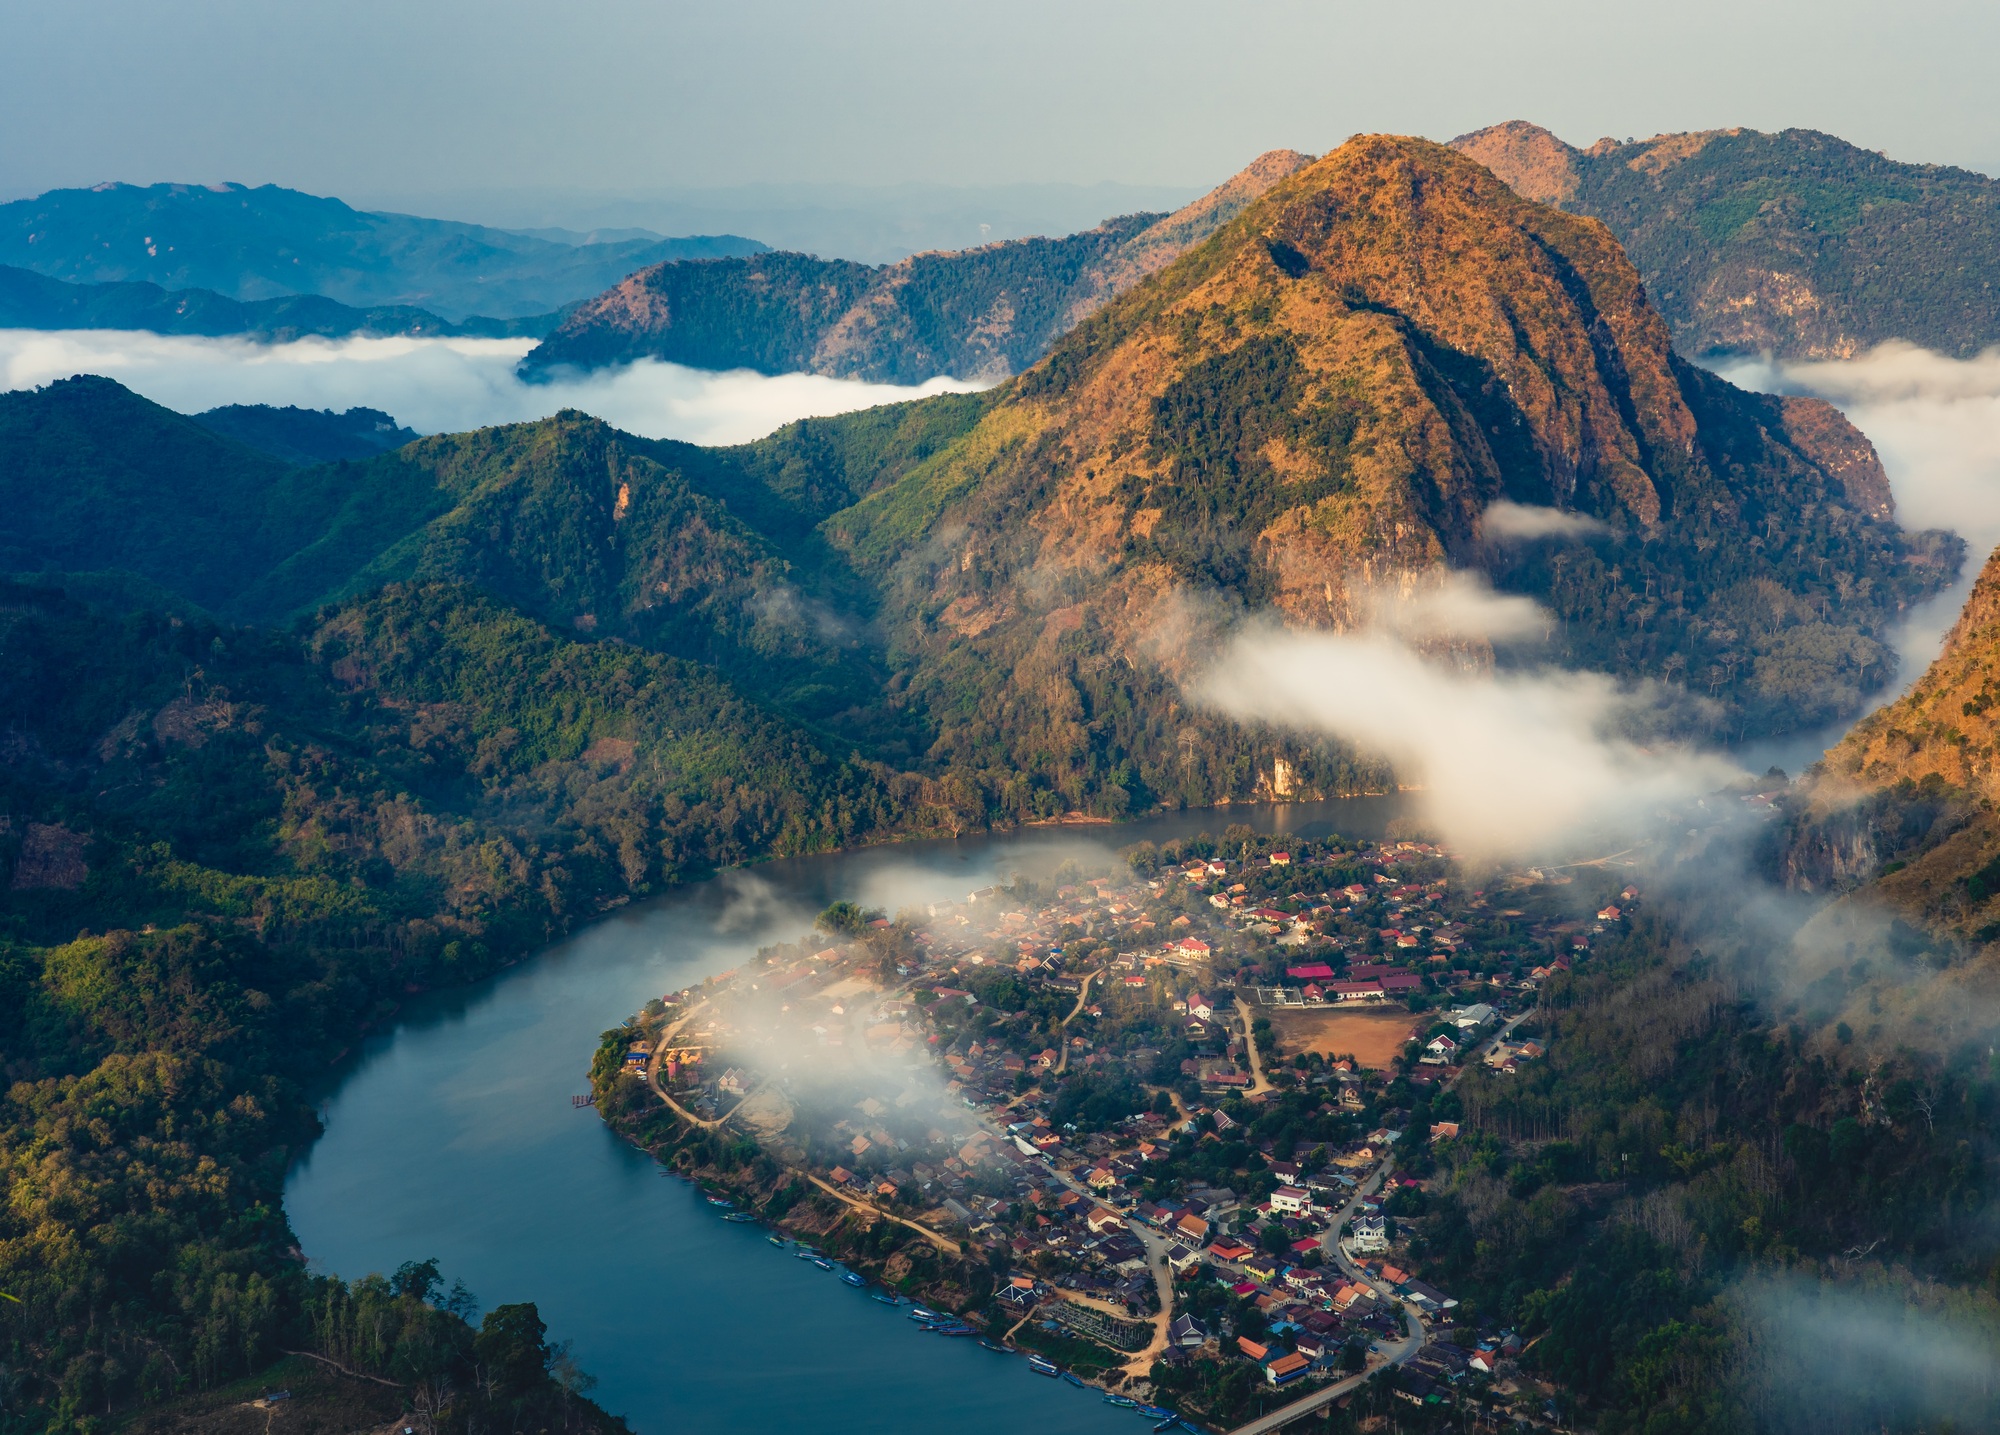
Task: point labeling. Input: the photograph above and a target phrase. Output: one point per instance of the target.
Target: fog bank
(438, 385)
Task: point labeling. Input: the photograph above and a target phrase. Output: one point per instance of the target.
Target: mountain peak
(1527, 157)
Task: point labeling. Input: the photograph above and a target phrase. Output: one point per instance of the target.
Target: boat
(1156, 1412)
(1167, 1424)
(886, 1299)
(740, 1218)
(854, 1280)
(1123, 1402)
(1073, 1378)
(956, 1331)
(720, 1201)
(806, 1253)
(988, 1343)
(778, 1241)
(1042, 1367)
(823, 1263)
(917, 1312)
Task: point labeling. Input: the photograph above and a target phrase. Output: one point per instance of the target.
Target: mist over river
(453, 1136)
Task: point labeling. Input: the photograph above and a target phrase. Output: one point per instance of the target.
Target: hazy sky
(438, 97)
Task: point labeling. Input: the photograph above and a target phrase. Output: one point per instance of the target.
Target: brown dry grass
(1374, 1037)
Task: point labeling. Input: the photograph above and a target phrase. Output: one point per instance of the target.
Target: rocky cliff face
(980, 313)
(1797, 244)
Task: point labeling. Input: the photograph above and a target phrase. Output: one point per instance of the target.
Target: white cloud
(1507, 521)
(1509, 762)
(437, 385)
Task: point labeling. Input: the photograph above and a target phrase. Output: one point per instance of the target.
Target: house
(1287, 1368)
(1440, 1049)
(1101, 1220)
(1311, 972)
(1609, 914)
(1444, 1130)
(1199, 1007)
(1191, 1227)
(1180, 1258)
(1290, 1200)
(1281, 859)
(1469, 1018)
(1251, 1348)
(1186, 1333)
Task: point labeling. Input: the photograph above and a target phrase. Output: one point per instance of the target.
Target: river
(452, 1136)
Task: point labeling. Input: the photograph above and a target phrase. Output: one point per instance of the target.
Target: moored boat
(1123, 1402)
(720, 1201)
(823, 1263)
(917, 1312)
(886, 1299)
(854, 1280)
(1042, 1367)
(777, 1241)
(1073, 1378)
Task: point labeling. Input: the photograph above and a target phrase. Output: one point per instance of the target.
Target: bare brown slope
(978, 314)
(1330, 392)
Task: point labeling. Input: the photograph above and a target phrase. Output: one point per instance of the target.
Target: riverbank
(469, 1092)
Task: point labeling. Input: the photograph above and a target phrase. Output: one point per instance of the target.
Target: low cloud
(438, 385)
(1936, 423)
(1509, 762)
(1507, 521)
(1869, 1355)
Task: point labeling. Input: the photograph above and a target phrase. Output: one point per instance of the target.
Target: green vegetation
(232, 851)
(1686, 1138)
(1795, 243)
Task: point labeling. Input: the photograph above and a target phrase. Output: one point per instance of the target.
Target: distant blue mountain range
(266, 244)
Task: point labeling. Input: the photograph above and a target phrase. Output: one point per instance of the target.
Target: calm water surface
(453, 1136)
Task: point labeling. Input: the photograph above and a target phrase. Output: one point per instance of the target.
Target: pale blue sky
(403, 99)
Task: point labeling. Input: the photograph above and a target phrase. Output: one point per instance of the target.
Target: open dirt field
(1373, 1036)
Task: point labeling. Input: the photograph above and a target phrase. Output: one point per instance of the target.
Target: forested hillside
(980, 313)
(1797, 243)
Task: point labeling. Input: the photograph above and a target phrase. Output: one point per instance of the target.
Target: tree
(512, 1350)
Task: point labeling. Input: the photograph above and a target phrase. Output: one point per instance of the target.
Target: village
(1166, 1107)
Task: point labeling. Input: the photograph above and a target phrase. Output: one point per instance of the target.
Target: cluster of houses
(981, 1153)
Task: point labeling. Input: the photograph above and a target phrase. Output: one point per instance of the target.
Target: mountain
(1329, 392)
(979, 313)
(269, 243)
(307, 436)
(34, 301)
(1796, 243)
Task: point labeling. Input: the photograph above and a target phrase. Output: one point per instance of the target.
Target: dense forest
(1711, 1206)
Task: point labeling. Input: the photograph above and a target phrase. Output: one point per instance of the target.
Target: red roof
(1313, 971)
